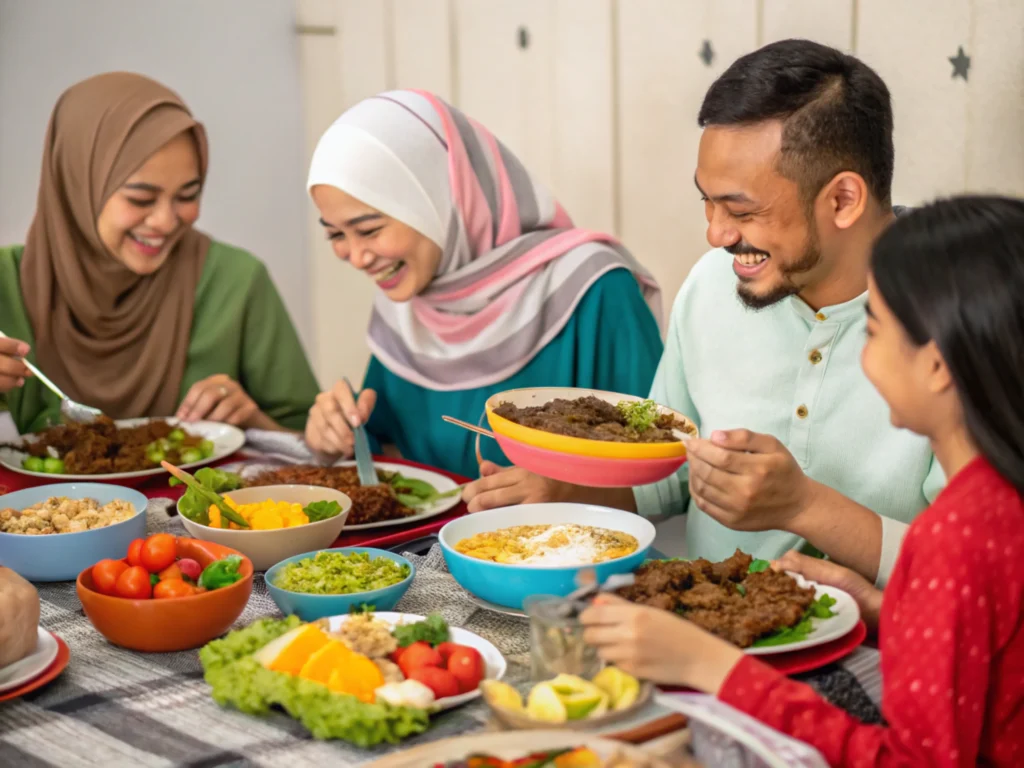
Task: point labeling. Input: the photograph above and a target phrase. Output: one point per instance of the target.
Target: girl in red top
(945, 349)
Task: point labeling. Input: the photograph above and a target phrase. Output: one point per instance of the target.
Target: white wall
(235, 63)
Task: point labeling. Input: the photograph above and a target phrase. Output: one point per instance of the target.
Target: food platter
(845, 620)
(440, 482)
(226, 440)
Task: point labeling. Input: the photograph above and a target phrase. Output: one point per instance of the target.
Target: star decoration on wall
(961, 63)
(707, 53)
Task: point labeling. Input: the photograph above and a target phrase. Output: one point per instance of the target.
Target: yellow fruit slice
(545, 704)
(321, 664)
(502, 695)
(579, 706)
(292, 650)
(623, 689)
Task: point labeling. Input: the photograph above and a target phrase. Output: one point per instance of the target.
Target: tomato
(159, 552)
(135, 552)
(467, 665)
(440, 681)
(190, 568)
(172, 572)
(134, 583)
(105, 573)
(171, 588)
(418, 655)
(445, 649)
(396, 654)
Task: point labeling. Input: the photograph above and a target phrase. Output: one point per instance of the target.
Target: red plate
(49, 674)
(820, 655)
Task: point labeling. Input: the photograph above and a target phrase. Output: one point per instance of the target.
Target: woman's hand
(657, 645)
(328, 431)
(220, 398)
(19, 617)
(12, 371)
(868, 598)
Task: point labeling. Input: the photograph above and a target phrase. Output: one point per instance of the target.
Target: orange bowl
(173, 624)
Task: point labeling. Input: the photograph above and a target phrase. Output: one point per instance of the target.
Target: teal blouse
(611, 342)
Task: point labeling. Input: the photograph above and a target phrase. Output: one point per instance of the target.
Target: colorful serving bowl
(60, 556)
(312, 607)
(173, 624)
(564, 444)
(265, 548)
(510, 584)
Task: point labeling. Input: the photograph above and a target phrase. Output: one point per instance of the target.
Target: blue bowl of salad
(54, 532)
(331, 582)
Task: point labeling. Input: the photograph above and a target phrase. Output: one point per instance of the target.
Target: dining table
(113, 706)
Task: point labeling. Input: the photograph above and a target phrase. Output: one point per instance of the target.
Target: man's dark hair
(835, 110)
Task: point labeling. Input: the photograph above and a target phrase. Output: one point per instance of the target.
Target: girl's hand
(328, 431)
(12, 371)
(656, 645)
(868, 598)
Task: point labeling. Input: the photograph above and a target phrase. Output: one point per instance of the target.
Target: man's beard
(786, 286)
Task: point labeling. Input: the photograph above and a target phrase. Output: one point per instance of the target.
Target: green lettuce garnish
(433, 630)
(640, 416)
(322, 510)
(759, 565)
(238, 680)
(819, 609)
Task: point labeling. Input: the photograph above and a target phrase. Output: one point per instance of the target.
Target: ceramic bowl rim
(406, 582)
(46, 537)
(641, 546)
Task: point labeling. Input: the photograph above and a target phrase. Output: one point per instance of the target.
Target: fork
(69, 409)
(364, 459)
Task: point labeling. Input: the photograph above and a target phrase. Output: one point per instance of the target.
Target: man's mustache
(738, 249)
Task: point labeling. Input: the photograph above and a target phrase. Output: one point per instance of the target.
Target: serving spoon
(69, 409)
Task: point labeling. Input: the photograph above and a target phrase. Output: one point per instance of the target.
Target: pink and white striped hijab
(514, 267)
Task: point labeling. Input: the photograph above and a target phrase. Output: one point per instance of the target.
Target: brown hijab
(108, 337)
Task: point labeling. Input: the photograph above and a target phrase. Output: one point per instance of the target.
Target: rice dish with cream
(563, 544)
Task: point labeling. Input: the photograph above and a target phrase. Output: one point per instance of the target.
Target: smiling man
(794, 167)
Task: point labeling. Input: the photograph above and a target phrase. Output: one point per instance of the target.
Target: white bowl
(265, 548)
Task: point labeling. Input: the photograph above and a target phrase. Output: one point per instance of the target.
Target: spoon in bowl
(69, 409)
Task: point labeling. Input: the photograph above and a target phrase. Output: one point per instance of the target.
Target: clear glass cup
(556, 641)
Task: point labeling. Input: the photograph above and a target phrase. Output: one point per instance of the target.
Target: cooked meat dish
(723, 598)
(102, 447)
(370, 504)
(592, 418)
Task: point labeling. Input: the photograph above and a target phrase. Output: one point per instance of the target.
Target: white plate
(32, 666)
(226, 440)
(494, 662)
(439, 481)
(846, 611)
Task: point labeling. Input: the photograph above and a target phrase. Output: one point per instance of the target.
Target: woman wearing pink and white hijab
(483, 282)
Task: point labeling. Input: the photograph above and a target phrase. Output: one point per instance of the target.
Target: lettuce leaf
(322, 510)
(819, 609)
(238, 680)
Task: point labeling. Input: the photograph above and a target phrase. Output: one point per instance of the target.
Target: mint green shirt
(730, 367)
(240, 327)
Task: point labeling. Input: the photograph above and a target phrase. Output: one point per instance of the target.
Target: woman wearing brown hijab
(115, 295)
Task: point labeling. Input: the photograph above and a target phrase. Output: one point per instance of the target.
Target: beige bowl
(265, 548)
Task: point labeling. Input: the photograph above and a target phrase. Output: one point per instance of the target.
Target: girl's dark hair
(953, 272)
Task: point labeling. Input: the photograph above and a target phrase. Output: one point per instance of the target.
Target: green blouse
(611, 342)
(240, 327)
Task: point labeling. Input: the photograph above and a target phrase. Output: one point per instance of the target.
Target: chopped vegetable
(194, 505)
(338, 573)
(238, 680)
(413, 493)
(266, 515)
(640, 416)
(759, 565)
(819, 609)
(322, 510)
(433, 630)
(221, 573)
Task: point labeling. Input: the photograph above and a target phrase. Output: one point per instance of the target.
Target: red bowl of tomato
(163, 622)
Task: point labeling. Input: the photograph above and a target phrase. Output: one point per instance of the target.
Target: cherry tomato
(171, 588)
(135, 552)
(134, 583)
(158, 552)
(467, 665)
(105, 573)
(173, 572)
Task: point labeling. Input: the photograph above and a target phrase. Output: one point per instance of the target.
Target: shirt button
(820, 317)
(802, 411)
(815, 357)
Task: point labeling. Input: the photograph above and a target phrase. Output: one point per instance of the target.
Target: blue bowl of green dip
(330, 582)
